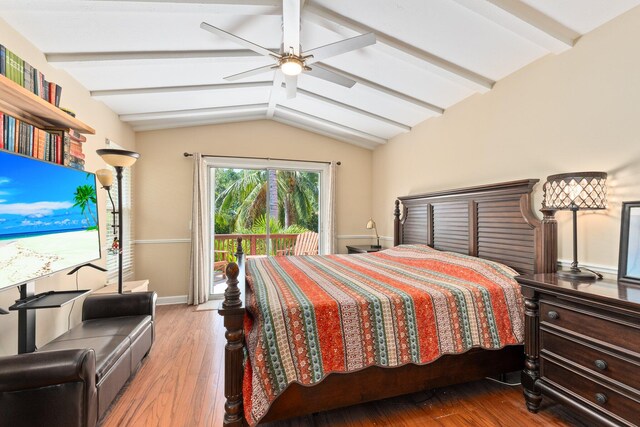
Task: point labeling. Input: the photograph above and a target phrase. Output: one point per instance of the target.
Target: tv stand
(28, 302)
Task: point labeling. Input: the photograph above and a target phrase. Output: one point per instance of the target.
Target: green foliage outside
(241, 208)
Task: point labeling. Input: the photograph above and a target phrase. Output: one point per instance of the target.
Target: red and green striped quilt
(314, 315)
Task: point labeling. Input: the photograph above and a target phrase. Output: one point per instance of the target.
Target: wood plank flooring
(181, 383)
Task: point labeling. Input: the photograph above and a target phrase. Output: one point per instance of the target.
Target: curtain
(331, 207)
(199, 260)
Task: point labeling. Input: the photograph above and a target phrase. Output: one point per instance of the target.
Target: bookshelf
(28, 107)
(24, 105)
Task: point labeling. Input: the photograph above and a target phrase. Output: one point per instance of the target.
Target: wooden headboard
(493, 221)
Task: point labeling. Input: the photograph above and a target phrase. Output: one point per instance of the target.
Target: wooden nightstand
(362, 249)
(582, 345)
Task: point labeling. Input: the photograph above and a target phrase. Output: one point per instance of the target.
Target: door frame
(265, 164)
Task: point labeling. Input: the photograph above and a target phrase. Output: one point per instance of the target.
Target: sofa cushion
(130, 326)
(109, 338)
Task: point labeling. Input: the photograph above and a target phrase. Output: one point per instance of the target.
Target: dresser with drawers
(582, 345)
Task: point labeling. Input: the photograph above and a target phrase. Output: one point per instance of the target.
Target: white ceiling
(150, 62)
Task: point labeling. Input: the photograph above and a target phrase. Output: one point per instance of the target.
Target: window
(127, 249)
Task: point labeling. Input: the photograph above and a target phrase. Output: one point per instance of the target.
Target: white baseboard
(176, 299)
(604, 269)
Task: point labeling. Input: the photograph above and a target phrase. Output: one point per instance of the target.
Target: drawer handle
(601, 398)
(601, 364)
(553, 315)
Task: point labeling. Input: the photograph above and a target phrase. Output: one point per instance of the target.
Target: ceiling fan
(292, 60)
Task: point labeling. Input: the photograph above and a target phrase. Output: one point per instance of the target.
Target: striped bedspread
(314, 315)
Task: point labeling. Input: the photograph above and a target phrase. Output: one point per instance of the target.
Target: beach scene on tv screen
(48, 219)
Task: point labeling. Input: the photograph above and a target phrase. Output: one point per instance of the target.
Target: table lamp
(576, 191)
(372, 224)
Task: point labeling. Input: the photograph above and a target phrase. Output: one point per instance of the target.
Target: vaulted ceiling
(151, 63)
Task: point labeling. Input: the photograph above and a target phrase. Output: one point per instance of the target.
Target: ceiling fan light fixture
(291, 65)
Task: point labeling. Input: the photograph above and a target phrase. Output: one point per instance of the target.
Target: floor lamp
(576, 191)
(119, 159)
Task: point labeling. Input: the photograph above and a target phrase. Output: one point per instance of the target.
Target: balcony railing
(252, 244)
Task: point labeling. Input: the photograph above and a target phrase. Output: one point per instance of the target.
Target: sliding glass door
(269, 204)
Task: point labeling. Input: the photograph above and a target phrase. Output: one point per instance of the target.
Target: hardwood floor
(181, 383)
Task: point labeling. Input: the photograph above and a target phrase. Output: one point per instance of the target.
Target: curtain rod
(260, 158)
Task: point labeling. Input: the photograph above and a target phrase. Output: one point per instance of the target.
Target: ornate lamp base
(577, 274)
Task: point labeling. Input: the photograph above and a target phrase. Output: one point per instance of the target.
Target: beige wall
(572, 112)
(163, 182)
(53, 322)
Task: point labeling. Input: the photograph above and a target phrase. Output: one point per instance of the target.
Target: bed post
(233, 312)
(396, 224)
(548, 260)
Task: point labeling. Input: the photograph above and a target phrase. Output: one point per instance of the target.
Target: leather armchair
(71, 381)
(63, 381)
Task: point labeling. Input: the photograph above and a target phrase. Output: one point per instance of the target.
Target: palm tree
(84, 197)
(296, 197)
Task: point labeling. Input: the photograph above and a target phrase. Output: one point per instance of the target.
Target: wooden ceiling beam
(318, 97)
(323, 131)
(244, 7)
(538, 28)
(539, 20)
(170, 89)
(180, 123)
(329, 124)
(76, 57)
(328, 19)
(386, 90)
(195, 112)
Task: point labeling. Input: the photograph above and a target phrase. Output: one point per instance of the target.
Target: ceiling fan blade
(338, 48)
(330, 76)
(246, 43)
(291, 26)
(249, 73)
(292, 86)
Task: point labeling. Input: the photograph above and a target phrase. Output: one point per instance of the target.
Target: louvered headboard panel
(491, 221)
(451, 226)
(417, 229)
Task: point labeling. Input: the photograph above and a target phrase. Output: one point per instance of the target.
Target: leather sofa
(72, 380)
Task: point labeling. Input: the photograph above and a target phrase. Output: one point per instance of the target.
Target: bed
(491, 224)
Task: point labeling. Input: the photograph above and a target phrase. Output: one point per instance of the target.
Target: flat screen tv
(48, 219)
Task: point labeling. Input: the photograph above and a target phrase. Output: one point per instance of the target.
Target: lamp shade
(118, 158)
(576, 190)
(371, 224)
(105, 176)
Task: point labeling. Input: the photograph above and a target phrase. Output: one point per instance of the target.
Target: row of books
(21, 72)
(63, 147)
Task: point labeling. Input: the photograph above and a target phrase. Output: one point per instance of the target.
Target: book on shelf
(53, 145)
(21, 72)
(3, 60)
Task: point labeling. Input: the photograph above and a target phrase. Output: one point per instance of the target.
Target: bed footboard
(233, 312)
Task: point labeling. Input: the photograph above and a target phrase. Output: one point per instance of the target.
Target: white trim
(175, 299)
(604, 269)
(187, 240)
(321, 167)
(160, 241)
